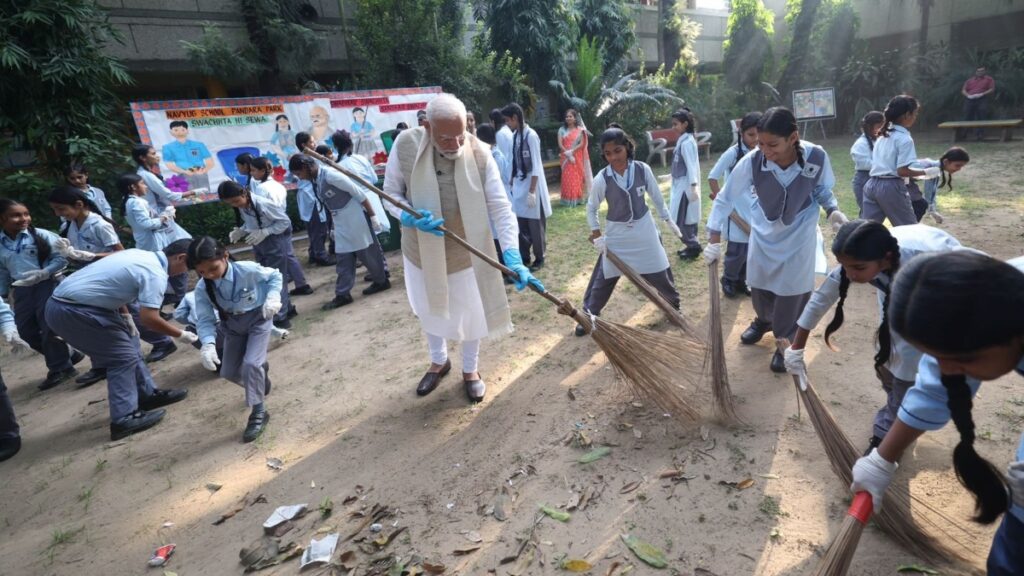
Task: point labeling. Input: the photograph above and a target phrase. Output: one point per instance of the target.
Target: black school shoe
(9, 447)
(76, 357)
(338, 302)
(689, 253)
(257, 424)
(875, 442)
(285, 324)
(91, 377)
(778, 363)
(301, 290)
(369, 277)
(54, 379)
(135, 422)
(754, 332)
(158, 353)
(375, 287)
(729, 288)
(162, 397)
(292, 311)
(537, 265)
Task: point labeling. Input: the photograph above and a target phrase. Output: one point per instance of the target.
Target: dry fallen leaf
(464, 551)
(744, 484)
(630, 487)
(434, 568)
(473, 536)
(576, 565)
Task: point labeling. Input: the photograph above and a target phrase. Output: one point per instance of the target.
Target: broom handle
(455, 237)
(739, 221)
(799, 379)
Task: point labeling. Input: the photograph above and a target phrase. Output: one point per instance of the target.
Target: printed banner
(814, 104)
(197, 140)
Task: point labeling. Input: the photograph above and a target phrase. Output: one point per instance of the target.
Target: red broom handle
(861, 507)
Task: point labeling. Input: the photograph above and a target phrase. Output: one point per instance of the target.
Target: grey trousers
(29, 317)
(860, 178)
(689, 230)
(734, 268)
(157, 339)
(177, 287)
(273, 253)
(533, 234)
(318, 231)
(895, 389)
(294, 268)
(244, 361)
(781, 312)
(600, 289)
(103, 335)
(887, 198)
(372, 257)
(8, 423)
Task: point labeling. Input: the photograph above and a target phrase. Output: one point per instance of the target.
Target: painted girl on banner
(364, 136)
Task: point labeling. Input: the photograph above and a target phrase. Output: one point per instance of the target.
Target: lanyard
(19, 244)
(233, 298)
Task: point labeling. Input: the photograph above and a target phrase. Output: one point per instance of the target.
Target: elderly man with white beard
(451, 178)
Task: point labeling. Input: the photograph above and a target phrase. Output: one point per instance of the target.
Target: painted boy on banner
(190, 158)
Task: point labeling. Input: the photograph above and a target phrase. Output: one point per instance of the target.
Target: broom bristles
(725, 407)
(674, 316)
(839, 556)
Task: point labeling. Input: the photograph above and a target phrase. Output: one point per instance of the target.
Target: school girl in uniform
(313, 213)
(187, 315)
(862, 150)
(85, 236)
(870, 253)
(355, 228)
(363, 168)
(965, 312)
(261, 172)
(486, 134)
(77, 176)
(685, 202)
(630, 231)
(243, 297)
(30, 267)
(734, 268)
(10, 432)
(90, 310)
(152, 231)
(265, 226)
(785, 182)
(885, 193)
(530, 199)
(939, 173)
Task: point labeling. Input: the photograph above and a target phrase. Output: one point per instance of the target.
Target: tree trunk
(922, 34)
(270, 71)
(669, 39)
(798, 47)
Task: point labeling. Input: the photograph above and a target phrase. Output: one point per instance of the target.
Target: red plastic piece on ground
(162, 554)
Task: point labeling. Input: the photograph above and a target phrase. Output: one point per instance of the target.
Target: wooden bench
(662, 142)
(1007, 126)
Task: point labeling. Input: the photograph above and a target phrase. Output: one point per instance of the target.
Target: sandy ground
(348, 427)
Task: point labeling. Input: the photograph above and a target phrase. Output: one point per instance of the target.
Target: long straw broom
(674, 316)
(648, 362)
(895, 519)
(722, 393)
(839, 556)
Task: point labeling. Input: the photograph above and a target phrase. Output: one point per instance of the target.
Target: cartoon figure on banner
(320, 126)
(190, 159)
(363, 135)
(282, 142)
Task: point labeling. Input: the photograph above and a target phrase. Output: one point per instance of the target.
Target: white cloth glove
(837, 219)
(932, 172)
(31, 278)
(17, 345)
(1015, 478)
(187, 337)
(169, 213)
(674, 228)
(133, 330)
(271, 306)
(873, 474)
(279, 333)
(256, 237)
(712, 252)
(692, 193)
(376, 225)
(63, 245)
(236, 235)
(600, 244)
(794, 360)
(209, 355)
(531, 200)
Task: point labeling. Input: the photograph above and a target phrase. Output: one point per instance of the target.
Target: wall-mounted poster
(198, 140)
(814, 104)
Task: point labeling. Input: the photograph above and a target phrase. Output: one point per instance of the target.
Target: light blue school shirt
(95, 234)
(307, 202)
(150, 232)
(99, 199)
(861, 153)
(243, 288)
(913, 240)
(273, 218)
(21, 255)
(185, 312)
(892, 152)
(6, 317)
(186, 155)
(157, 193)
(504, 168)
(351, 231)
(796, 253)
(116, 280)
(720, 172)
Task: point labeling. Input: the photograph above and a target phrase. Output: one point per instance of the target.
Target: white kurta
(521, 186)
(361, 167)
(686, 152)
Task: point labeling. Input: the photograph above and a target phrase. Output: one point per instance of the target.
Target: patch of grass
(60, 538)
(101, 464)
(85, 497)
(770, 507)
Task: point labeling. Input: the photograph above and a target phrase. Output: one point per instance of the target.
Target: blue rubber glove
(514, 261)
(427, 223)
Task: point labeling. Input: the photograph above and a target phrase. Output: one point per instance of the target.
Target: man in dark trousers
(977, 91)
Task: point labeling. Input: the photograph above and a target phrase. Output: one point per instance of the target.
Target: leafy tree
(748, 45)
(611, 24)
(682, 66)
(539, 32)
(58, 90)
(214, 56)
(801, 16)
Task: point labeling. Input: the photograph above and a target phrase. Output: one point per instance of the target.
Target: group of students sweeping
(949, 317)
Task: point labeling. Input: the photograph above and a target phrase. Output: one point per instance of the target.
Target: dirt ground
(349, 429)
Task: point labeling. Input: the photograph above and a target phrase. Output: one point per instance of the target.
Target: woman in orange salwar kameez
(576, 172)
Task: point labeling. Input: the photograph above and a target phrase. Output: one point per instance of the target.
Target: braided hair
(898, 107)
(232, 189)
(779, 121)
(261, 163)
(868, 241)
(954, 154)
(959, 303)
(200, 250)
(70, 196)
(519, 167)
(43, 248)
(684, 115)
(342, 141)
(125, 185)
(867, 125)
(749, 120)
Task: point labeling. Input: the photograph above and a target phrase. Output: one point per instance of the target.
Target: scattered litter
(630, 487)
(312, 484)
(464, 551)
(375, 527)
(915, 568)
(576, 565)
(167, 525)
(162, 554)
(275, 463)
(769, 476)
(319, 550)
(450, 505)
(213, 486)
(741, 485)
(285, 513)
(473, 536)
(644, 551)
(169, 573)
(595, 455)
(432, 568)
(555, 514)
